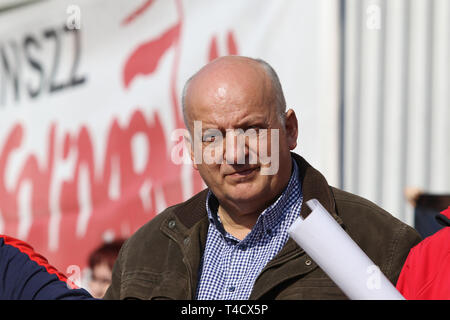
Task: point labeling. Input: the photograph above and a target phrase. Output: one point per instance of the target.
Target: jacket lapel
(314, 186)
(291, 261)
(190, 234)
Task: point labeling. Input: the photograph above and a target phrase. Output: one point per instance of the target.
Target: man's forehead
(227, 71)
(222, 91)
(226, 85)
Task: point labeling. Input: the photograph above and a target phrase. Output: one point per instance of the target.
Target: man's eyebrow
(242, 124)
(253, 121)
(210, 127)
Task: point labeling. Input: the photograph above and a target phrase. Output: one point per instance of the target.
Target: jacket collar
(315, 186)
(187, 225)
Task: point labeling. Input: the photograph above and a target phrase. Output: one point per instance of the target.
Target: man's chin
(243, 194)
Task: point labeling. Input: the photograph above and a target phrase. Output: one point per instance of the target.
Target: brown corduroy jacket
(161, 260)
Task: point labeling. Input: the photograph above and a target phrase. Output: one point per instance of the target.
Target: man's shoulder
(179, 213)
(353, 207)
(370, 224)
(383, 237)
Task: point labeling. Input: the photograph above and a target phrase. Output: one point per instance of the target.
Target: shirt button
(186, 241)
(231, 289)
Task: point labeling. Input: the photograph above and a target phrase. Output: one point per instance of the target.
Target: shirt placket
(230, 274)
(242, 261)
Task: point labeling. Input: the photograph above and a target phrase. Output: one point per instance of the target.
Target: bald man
(230, 241)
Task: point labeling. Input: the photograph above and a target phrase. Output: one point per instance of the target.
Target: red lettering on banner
(138, 12)
(145, 58)
(159, 169)
(231, 46)
(159, 174)
(65, 216)
(37, 176)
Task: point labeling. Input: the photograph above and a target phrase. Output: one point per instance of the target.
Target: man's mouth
(243, 173)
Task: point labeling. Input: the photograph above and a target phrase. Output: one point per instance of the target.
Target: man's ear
(291, 126)
(190, 147)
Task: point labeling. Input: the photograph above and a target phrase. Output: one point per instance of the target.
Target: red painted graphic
(67, 218)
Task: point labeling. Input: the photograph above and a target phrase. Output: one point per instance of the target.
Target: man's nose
(236, 147)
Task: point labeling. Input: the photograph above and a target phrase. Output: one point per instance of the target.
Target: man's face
(252, 169)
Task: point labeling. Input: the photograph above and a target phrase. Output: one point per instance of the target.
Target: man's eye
(209, 138)
(254, 128)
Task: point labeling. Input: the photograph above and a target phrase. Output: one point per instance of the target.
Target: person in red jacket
(426, 272)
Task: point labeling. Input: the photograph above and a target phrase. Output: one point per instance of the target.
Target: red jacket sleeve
(425, 274)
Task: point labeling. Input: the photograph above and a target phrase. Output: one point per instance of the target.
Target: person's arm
(26, 275)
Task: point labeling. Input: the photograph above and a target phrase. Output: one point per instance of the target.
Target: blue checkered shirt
(230, 266)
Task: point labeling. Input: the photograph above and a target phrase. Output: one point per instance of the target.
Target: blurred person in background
(101, 262)
(427, 207)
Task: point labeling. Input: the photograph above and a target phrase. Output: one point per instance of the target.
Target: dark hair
(106, 253)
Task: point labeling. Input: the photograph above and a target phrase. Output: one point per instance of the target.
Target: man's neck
(237, 224)
(238, 219)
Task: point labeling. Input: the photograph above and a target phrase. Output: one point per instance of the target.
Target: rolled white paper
(324, 240)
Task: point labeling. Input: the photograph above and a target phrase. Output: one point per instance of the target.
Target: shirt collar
(271, 216)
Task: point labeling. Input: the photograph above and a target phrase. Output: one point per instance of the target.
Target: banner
(90, 94)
